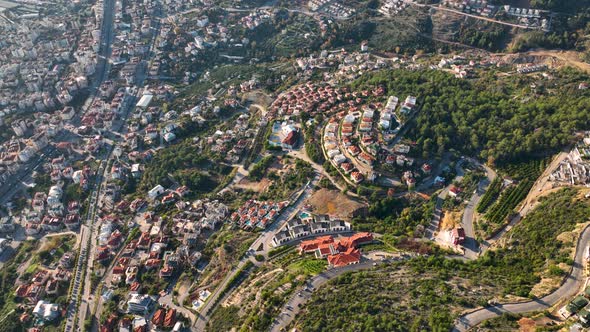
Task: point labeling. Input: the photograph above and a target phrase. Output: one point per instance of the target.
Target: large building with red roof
(339, 253)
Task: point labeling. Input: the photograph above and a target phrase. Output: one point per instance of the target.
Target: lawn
(309, 266)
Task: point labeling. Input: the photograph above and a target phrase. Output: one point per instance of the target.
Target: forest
(185, 164)
(396, 216)
(497, 119)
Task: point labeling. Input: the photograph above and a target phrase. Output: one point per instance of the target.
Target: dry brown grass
(258, 187)
(333, 202)
(450, 220)
(527, 325)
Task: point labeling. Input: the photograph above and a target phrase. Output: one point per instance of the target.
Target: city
(323, 165)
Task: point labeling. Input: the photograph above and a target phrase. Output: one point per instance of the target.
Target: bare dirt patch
(334, 203)
(527, 325)
(450, 220)
(258, 187)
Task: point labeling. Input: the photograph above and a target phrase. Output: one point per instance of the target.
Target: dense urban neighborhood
(322, 165)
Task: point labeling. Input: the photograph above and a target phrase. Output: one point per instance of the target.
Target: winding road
(572, 283)
(292, 307)
(470, 246)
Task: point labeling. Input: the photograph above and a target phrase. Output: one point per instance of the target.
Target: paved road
(293, 305)
(441, 7)
(471, 247)
(261, 242)
(87, 231)
(569, 288)
(118, 134)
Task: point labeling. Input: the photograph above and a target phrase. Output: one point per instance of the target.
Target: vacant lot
(333, 202)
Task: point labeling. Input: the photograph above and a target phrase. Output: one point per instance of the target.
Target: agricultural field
(497, 214)
(308, 266)
(490, 196)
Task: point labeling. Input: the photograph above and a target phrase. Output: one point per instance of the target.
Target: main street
(90, 300)
(85, 258)
(101, 74)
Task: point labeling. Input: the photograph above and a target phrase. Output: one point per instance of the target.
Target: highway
(573, 282)
(261, 242)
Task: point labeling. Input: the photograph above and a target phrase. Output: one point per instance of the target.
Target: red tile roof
(350, 256)
(159, 316)
(170, 319)
(311, 245)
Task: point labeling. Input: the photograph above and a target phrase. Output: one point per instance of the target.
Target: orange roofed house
(341, 253)
(310, 246)
(349, 257)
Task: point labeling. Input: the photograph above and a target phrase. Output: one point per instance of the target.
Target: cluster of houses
(352, 143)
(578, 307)
(256, 214)
(528, 68)
(575, 168)
(308, 224)
(188, 225)
(232, 143)
(163, 249)
(48, 211)
(391, 8)
(333, 8)
(342, 252)
(460, 66)
(533, 18)
(139, 323)
(200, 299)
(255, 18)
(45, 62)
(152, 252)
(309, 98)
(477, 7)
(32, 138)
(45, 285)
(340, 65)
(227, 34)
